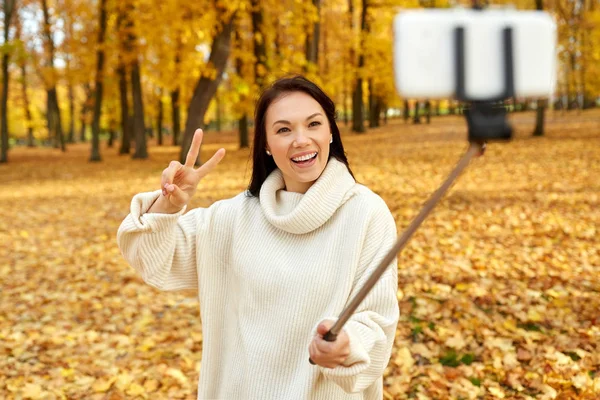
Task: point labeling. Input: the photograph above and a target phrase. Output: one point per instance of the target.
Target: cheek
(279, 148)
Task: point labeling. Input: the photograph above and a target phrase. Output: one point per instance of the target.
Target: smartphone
(425, 55)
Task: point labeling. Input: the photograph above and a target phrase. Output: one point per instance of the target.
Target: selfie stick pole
(486, 120)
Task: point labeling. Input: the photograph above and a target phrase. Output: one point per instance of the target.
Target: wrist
(162, 205)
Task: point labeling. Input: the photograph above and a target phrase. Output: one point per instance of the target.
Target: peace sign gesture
(179, 182)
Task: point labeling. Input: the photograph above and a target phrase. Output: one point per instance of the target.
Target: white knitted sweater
(267, 272)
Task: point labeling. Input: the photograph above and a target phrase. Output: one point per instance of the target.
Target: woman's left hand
(329, 354)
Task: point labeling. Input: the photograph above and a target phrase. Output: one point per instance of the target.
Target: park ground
(499, 289)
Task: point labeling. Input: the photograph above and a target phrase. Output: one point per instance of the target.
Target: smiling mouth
(306, 161)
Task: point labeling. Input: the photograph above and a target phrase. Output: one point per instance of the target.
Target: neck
(297, 187)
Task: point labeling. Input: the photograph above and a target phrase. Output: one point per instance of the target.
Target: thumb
(324, 327)
(177, 197)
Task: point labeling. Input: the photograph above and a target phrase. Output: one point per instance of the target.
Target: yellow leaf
(509, 325)
(461, 287)
(24, 234)
(32, 391)
(534, 316)
(496, 392)
(85, 380)
(581, 380)
(147, 344)
(123, 381)
(549, 392)
(404, 359)
(178, 375)
(456, 341)
(103, 385)
(135, 390)
(151, 385)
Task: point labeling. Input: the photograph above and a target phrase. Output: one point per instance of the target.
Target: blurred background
(499, 289)
(74, 70)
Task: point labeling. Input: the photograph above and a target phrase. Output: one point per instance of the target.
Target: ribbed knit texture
(267, 272)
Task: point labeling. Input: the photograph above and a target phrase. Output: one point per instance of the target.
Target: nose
(301, 138)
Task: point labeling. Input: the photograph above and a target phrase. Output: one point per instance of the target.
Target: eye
(281, 130)
(314, 123)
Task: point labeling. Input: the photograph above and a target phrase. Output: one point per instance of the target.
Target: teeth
(304, 158)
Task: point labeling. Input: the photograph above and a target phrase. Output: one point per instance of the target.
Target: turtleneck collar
(302, 213)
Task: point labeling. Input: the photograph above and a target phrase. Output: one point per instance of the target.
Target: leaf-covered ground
(499, 289)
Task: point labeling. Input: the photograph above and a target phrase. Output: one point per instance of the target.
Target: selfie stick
(486, 120)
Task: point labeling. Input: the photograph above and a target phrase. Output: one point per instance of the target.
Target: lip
(312, 162)
(303, 154)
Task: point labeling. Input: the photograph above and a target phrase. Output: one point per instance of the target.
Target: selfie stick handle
(475, 148)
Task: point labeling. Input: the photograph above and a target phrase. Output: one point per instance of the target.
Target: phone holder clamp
(486, 118)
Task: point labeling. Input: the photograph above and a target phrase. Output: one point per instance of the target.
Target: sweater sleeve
(372, 327)
(160, 247)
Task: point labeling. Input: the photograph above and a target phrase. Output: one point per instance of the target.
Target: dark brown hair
(262, 164)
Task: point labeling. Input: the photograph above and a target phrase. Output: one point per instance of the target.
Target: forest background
(499, 290)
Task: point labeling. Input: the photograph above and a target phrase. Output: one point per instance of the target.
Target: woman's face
(298, 137)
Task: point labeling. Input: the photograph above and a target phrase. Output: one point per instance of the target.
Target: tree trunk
(325, 60)
(123, 22)
(206, 87)
(9, 6)
(53, 111)
(141, 150)
(149, 128)
(345, 95)
(243, 128)
(28, 119)
(428, 111)
(88, 104)
(95, 155)
(539, 118)
(5, 81)
(260, 49)
(159, 122)
(239, 66)
(71, 135)
(124, 103)
(373, 106)
(358, 107)
(26, 108)
(417, 117)
(111, 131)
(311, 50)
(54, 121)
(406, 112)
(218, 112)
(541, 104)
(175, 116)
(357, 96)
(82, 130)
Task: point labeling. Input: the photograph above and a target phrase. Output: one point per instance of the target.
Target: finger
(323, 346)
(177, 197)
(315, 354)
(169, 174)
(212, 163)
(312, 351)
(192, 154)
(324, 327)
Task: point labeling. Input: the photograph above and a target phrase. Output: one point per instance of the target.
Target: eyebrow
(283, 121)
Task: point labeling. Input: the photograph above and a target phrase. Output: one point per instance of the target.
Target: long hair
(262, 164)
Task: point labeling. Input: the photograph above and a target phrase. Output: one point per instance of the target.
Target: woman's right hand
(179, 182)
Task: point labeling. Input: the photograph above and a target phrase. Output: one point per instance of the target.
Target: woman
(274, 265)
